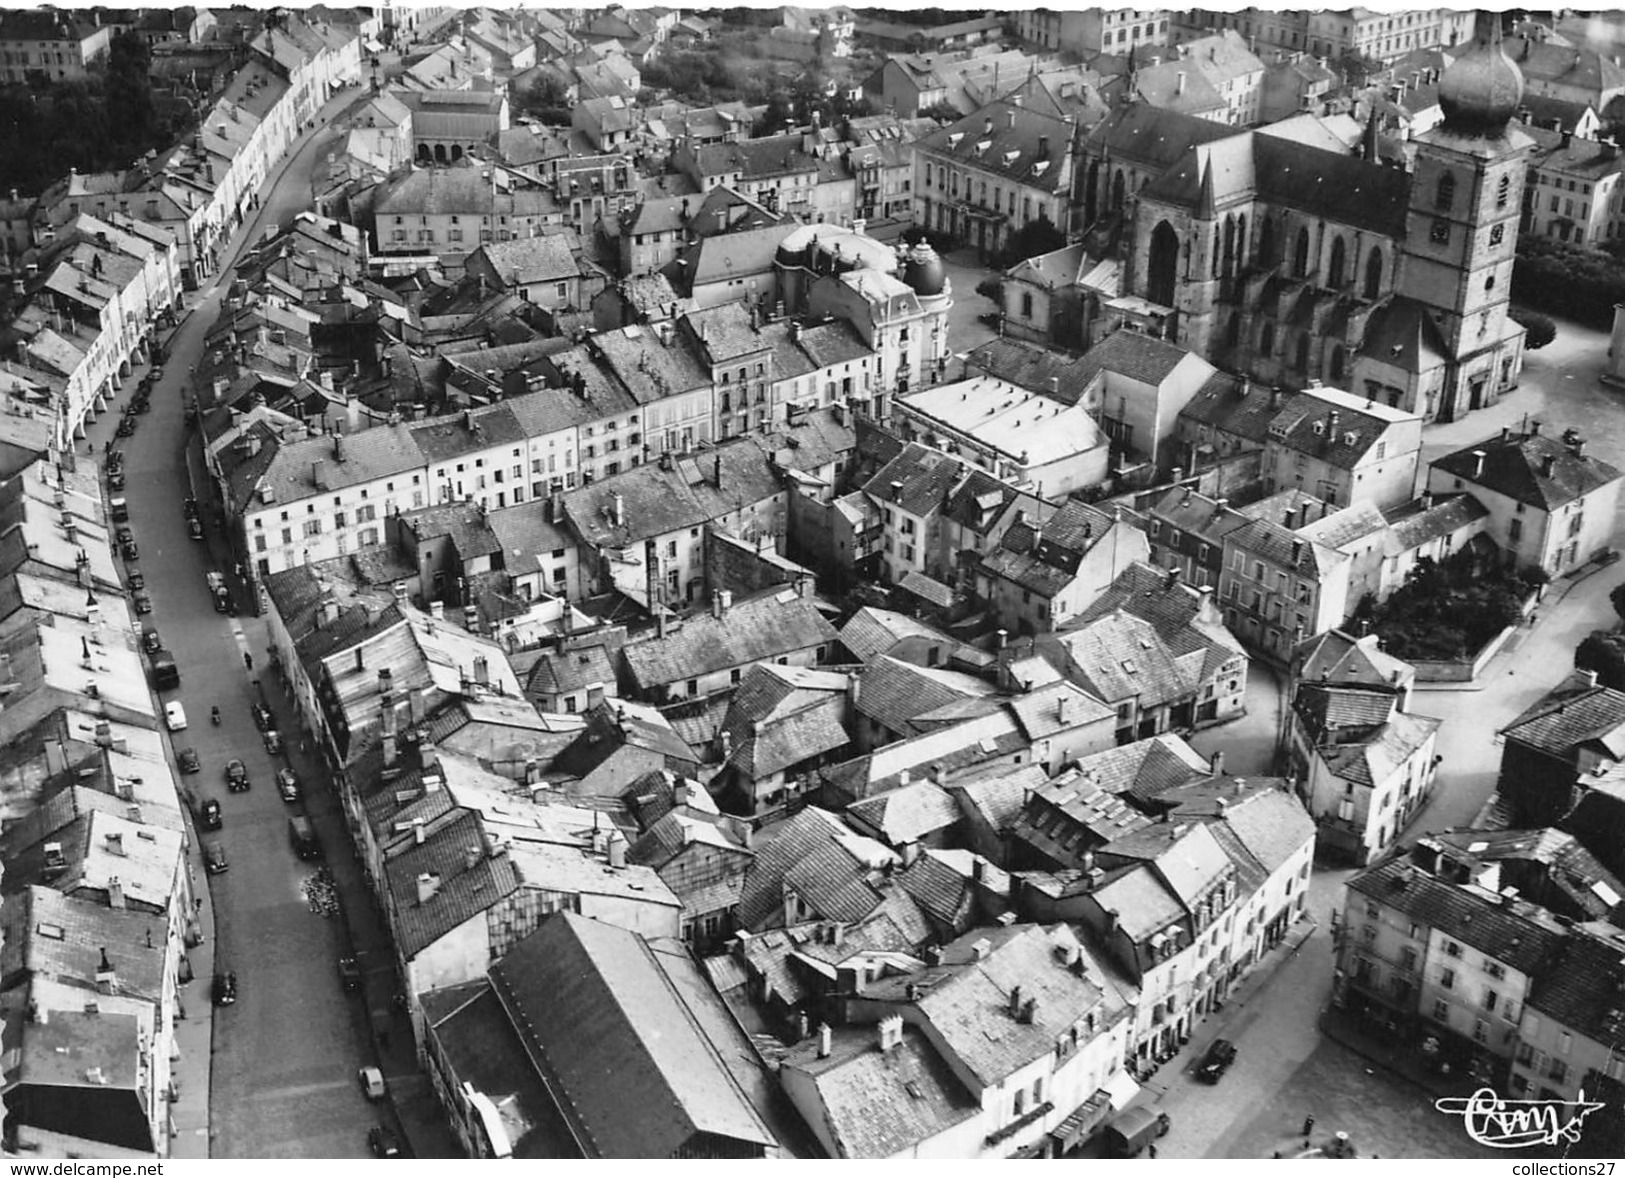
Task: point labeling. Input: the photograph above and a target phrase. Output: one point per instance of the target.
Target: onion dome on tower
(1480, 91)
(924, 272)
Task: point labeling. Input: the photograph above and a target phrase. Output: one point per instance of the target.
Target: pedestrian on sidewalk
(1308, 1125)
(248, 660)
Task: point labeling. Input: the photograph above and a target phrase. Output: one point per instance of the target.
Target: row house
(1572, 189)
(1569, 1036)
(1376, 34)
(908, 1074)
(1279, 587)
(1343, 449)
(1432, 949)
(1093, 30)
(1137, 386)
(51, 45)
(994, 172)
(783, 173)
(1047, 571)
(452, 211)
(1157, 651)
(1185, 531)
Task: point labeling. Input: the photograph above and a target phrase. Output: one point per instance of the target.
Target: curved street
(285, 1056)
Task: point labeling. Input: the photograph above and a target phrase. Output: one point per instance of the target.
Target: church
(1298, 265)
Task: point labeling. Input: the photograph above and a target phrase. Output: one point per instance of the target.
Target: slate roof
(1188, 511)
(997, 794)
(1044, 558)
(1562, 861)
(928, 476)
(1248, 167)
(1515, 468)
(877, 1104)
(1239, 408)
(1525, 938)
(531, 259)
(612, 1025)
(616, 723)
(563, 671)
(908, 814)
(750, 631)
(1072, 814)
(728, 256)
(1376, 759)
(1272, 825)
(1013, 145)
(1135, 355)
(1295, 426)
(1032, 367)
(943, 884)
(1153, 138)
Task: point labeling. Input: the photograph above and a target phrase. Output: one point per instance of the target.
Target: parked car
(136, 580)
(262, 716)
(125, 535)
(1221, 1053)
(372, 1083)
(130, 551)
(273, 741)
(194, 528)
(1134, 1129)
(287, 784)
(190, 507)
(126, 427)
(350, 974)
(383, 1143)
(208, 814)
(174, 716)
(188, 760)
(225, 989)
(236, 776)
(143, 603)
(302, 837)
(214, 858)
(115, 480)
(150, 641)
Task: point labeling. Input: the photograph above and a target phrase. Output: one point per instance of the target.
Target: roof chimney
(1548, 464)
(1478, 463)
(1179, 87)
(824, 1036)
(428, 886)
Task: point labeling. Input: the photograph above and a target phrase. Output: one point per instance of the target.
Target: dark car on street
(236, 776)
(143, 603)
(273, 741)
(1220, 1055)
(188, 760)
(225, 989)
(130, 552)
(125, 536)
(137, 580)
(383, 1143)
(126, 427)
(208, 814)
(262, 716)
(350, 974)
(287, 784)
(150, 641)
(214, 858)
(194, 528)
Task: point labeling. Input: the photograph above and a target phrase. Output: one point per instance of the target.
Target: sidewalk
(1218, 1024)
(418, 1115)
(191, 1075)
(1398, 1056)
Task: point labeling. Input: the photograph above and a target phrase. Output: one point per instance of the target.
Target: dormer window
(1319, 428)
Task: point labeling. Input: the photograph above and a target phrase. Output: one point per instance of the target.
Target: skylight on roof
(1128, 665)
(53, 932)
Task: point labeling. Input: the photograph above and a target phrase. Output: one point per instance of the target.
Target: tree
(1032, 239)
(1616, 597)
(1539, 330)
(991, 287)
(1603, 653)
(547, 100)
(941, 111)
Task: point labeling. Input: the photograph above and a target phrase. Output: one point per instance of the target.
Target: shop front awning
(1083, 1121)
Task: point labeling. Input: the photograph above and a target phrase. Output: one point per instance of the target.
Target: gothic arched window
(1445, 195)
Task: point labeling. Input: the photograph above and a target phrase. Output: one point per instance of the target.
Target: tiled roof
(531, 259)
(1585, 988)
(966, 1000)
(1520, 935)
(803, 837)
(1185, 509)
(750, 631)
(1338, 657)
(908, 814)
(1376, 759)
(762, 748)
(943, 884)
(1145, 768)
(1073, 814)
(1272, 825)
(464, 891)
(1284, 549)
(1239, 408)
(616, 723)
(927, 476)
(881, 1104)
(1328, 710)
(1570, 716)
(1544, 861)
(997, 795)
(892, 692)
(561, 672)
(1414, 524)
(611, 1025)
(1187, 859)
(1517, 468)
